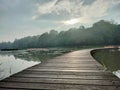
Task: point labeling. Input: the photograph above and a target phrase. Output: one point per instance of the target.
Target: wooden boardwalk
(73, 71)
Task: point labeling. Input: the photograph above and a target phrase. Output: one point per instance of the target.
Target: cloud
(82, 9)
(57, 7)
(97, 9)
(35, 17)
(73, 21)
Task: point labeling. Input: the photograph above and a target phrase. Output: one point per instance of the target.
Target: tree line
(100, 33)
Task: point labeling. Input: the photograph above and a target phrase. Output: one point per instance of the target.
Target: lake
(109, 58)
(12, 62)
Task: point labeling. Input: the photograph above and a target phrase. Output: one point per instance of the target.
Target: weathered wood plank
(71, 66)
(68, 68)
(67, 76)
(77, 64)
(11, 89)
(56, 86)
(68, 73)
(73, 71)
(72, 62)
(63, 81)
(67, 65)
(71, 58)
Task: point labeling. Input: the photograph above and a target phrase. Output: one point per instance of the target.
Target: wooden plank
(67, 65)
(56, 86)
(77, 63)
(63, 81)
(68, 73)
(73, 67)
(80, 66)
(71, 62)
(11, 89)
(67, 76)
(73, 71)
(67, 68)
(71, 58)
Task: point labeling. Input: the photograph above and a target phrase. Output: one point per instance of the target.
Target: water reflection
(110, 59)
(14, 61)
(9, 65)
(117, 73)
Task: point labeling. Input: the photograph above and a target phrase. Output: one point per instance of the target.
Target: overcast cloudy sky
(20, 18)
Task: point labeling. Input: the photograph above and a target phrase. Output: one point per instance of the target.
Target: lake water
(12, 62)
(110, 59)
(10, 65)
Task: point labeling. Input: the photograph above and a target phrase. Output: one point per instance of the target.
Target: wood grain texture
(72, 71)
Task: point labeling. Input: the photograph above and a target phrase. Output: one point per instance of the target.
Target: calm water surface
(10, 65)
(110, 59)
(12, 62)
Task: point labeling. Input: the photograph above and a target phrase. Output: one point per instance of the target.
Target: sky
(21, 18)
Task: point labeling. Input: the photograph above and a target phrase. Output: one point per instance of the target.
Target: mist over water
(12, 62)
(10, 65)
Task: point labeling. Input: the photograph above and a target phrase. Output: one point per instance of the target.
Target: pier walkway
(76, 70)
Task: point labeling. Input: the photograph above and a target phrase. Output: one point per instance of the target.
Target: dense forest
(101, 33)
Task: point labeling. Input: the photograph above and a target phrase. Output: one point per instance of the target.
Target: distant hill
(101, 33)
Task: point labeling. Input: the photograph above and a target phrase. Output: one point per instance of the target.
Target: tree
(101, 33)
